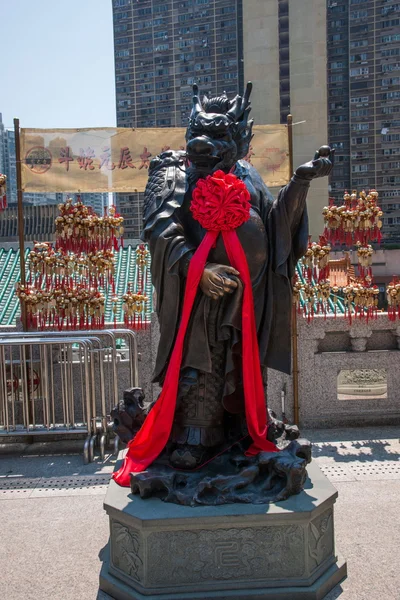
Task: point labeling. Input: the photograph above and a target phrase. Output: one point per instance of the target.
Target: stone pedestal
(283, 551)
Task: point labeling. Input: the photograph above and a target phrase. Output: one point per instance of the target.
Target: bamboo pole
(295, 335)
(21, 227)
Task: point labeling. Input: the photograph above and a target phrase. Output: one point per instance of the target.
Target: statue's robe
(274, 238)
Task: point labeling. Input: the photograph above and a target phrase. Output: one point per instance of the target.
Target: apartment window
(358, 43)
(337, 118)
(144, 11)
(360, 112)
(360, 126)
(337, 105)
(363, 181)
(162, 84)
(200, 53)
(391, 179)
(145, 87)
(359, 71)
(394, 165)
(391, 96)
(121, 53)
(391, 194)
(336, 78)
(391, 52)
(358, 57)
(227, 9)
(185, 43)
(359, 168)
(336, 37)
(359, 140)
(232, 62)
(359, 100)
(338, 50)
(339, 23)
(227, 24)
(337, 92)
(118, 16)
(121, 28)
(388, 9)
(359, 29)
(358, 14)
(391, 23)
(360, 155)
(121, 41)
(386, 39)
(338, 131)
(338, 65)
(336, 9)
(390, 67)
(391, 81)
(390, 151)
(158, 8)
(391, 137)
(202, 66)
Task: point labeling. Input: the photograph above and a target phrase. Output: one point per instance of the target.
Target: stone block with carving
(282, 551)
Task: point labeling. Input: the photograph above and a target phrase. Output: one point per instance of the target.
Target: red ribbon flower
(220, 202)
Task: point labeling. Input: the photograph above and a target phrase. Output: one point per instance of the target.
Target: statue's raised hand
(321, 166)
(217, 280)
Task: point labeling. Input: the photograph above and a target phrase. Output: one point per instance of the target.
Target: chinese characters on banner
(118, 159)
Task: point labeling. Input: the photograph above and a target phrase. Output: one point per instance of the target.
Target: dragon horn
(196, 100)
(246, 95)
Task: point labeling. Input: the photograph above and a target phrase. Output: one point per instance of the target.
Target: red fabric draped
(254, 396)
(153, 436)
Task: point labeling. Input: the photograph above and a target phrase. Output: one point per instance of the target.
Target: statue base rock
(164, 551)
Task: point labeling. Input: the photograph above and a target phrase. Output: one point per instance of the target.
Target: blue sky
(57, 66)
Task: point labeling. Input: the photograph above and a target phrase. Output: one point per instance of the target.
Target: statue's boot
(198, 432)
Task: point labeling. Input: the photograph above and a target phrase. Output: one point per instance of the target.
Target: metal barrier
(63, 382)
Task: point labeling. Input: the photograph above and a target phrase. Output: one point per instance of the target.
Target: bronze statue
(210, 419)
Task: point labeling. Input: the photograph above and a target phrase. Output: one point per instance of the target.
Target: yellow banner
(117, 159)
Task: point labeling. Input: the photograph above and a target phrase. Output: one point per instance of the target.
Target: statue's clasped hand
(218, 280)
(320, 166)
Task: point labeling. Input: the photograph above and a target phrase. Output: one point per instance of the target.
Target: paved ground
(54, 526)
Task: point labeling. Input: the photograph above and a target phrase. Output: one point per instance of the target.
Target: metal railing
(64, 383)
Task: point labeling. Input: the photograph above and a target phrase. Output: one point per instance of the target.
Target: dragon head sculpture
(219, 131)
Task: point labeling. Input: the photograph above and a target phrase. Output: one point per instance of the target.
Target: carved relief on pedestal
(226, 554)
(126, 548)
(320, 543)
